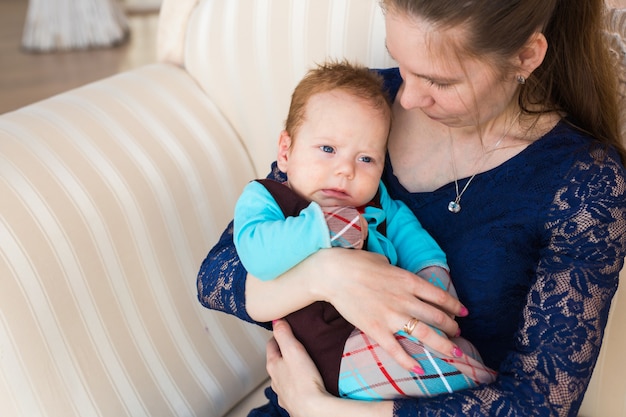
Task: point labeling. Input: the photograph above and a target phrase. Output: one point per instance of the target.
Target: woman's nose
(415, 95)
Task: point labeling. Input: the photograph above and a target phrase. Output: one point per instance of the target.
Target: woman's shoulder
(565, 147)
(391, 80)
(564, 163)
(576, 167)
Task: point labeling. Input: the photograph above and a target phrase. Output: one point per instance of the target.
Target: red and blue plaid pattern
(344, 226)
(368, 373)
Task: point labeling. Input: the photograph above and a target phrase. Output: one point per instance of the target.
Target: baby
(333, 151)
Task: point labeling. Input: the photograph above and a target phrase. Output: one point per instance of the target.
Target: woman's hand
(380, 299)
(299, 386)
(295, 379)
(374, 296)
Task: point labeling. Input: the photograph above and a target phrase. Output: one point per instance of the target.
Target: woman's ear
(284, 144)
(532, 54)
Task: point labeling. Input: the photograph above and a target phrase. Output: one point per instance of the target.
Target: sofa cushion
(111, 196)
(255, 399)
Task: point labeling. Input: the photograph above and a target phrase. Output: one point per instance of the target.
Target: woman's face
(454, 91)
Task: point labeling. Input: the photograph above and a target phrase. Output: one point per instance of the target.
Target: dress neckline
(561, 124)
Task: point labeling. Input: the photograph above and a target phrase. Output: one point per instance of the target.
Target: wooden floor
(29, 77)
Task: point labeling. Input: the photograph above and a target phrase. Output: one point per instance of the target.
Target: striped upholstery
(111, 195)
(265, 47)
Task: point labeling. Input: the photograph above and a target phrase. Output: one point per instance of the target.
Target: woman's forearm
(295, 289)
(270, 300)
(320, 277)
(221, 279)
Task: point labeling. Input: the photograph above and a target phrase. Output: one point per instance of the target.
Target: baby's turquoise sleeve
(269, 244)
(415, 247)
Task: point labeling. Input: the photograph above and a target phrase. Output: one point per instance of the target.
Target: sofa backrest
(249, 55)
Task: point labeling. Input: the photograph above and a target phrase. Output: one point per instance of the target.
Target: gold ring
(410, 325)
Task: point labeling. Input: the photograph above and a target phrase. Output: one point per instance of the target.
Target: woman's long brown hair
(578, 76)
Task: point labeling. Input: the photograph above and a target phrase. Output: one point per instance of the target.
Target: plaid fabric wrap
(368, 373)
(345, 227)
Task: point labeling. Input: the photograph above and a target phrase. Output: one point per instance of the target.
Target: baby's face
(338, 154)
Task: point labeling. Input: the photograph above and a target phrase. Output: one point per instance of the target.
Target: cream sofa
(112, 194)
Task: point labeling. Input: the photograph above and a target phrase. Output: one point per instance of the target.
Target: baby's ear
(284, 144)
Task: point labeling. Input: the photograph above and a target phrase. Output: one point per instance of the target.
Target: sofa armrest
(112, 195)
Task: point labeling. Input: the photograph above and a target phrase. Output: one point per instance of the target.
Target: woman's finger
(395, 350)
(433, 339)
(293, 373)
(434, 306)
(285, 341)
(430, 337)
(272, 350)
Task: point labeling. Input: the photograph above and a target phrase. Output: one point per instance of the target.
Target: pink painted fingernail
(418, 370)
(458, 333)
(464, 312)
(457, 352)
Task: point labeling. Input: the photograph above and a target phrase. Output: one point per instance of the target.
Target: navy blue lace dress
(534, 255)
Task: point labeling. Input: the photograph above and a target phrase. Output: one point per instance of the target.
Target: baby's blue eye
(327, 149)
(366, 159)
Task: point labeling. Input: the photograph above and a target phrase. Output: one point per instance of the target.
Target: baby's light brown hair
(353, 79)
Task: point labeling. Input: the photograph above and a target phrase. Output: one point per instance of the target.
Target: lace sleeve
(221, 280)
(566, 309)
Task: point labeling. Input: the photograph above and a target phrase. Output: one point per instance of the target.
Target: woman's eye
(366, 159)
(327, 149)
(438, 85)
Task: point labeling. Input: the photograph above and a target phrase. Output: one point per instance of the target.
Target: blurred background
(28, 75)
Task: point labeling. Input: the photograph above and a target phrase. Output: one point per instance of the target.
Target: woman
(505, 145)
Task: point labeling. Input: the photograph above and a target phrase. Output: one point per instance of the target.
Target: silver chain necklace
(454, 206)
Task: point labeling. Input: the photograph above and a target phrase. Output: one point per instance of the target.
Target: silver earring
(520, 79)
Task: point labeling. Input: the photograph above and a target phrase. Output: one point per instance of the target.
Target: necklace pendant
(454, 207)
